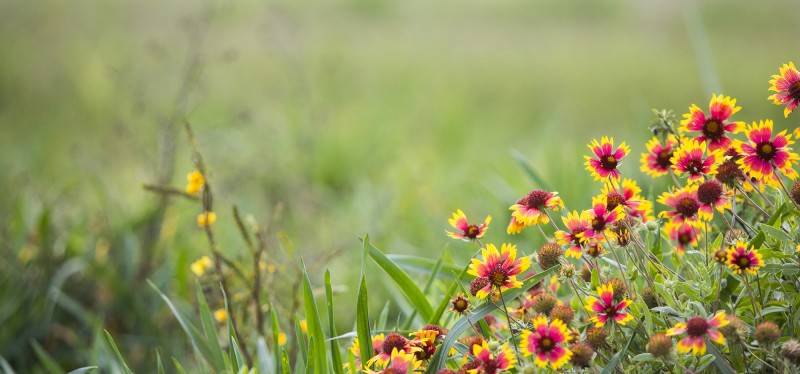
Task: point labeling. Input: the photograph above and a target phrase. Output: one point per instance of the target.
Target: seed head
(767, 332)
(549, 255)
(582, 354)
(620, 291)
(544, 303)
(791, 351)
(568, 270)
(796, 193)
(586, 273)
(596, 336)
(562, 312)
(393, 341)
(659, 345)
(650, 297)
(729, 173)
(709, 192)
(735, 330)
(478, 284)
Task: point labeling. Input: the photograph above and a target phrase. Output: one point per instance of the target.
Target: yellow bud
(207, 218)
(221, 315)
(281, 338)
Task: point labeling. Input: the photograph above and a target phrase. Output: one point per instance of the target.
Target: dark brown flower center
(694, 167)
(598, 224)
(614, 200)
(472, 231)
(712, 129)
(794, 90)
(489, 366)
(729, 172)
(766, 151)
(684, 238)
(536, 199)
(575, 239)
(460, 304)
(546, 344)
(687, 207)
(721, 255)
(709, 192)
(663, 159)
(608, 162)
(392, 341)
(743, 262)
(498, 276)
(609, 310)
(696, 326)
(393, 370)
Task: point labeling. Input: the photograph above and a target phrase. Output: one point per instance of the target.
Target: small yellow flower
(221, 315)
(207, 218)
(281, 338)
(303, 326)
(200, 266)
(195, 181)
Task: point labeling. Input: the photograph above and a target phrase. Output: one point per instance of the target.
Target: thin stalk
(752, 298)
(510, 329)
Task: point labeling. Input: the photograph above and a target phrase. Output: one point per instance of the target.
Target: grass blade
(276, 331)
(721, 362)
(47, 361)
(116, 351)
(83, 370)
(409, 289)
(209, 328)
(336, 356)
(612, 364)
(314, 324)
(362, 322)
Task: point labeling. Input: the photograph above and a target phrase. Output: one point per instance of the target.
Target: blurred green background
(339, 117)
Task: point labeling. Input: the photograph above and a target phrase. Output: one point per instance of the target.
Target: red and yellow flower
(712, 195)
(684, 203)
(606, 159)
(658, 159)
(690, 158)
(744, 259)
(606, 309)
(787, 86)
(499, 267)
(544, 340)
(629, 197)
(683, 235)
(489, 363)
(399, 362)
(355, 349)
(468, 232)
(713, 127)
(530, 210)
(696, 329)
(601, 218)
(392, 342)
(763, 154)
(576, 224)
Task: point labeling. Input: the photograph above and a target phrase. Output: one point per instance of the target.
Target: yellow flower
(195, 182)
(304, 326)
(281, 338)
(207, 218)
(200, 266)
(221, 315)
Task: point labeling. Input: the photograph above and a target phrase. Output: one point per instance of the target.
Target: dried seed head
(649, 297)
(563, 313)
(659, 345)
(620, 290)
(544, 303)
(596, 336)
(767, 332)
(791, 351)
(582, 355)
(549, 255)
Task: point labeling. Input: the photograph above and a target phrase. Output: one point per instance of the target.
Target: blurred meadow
(329, 119)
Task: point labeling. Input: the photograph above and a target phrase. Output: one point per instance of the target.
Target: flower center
(614, 200)
(709, 192)
(694, 167)
(393, 370)
(392, 341)
(684, 238)
(687, 207)
(575, 239)
(609, 310)
(712, 129)
(471, 232)
(766, 151)
(608, 162)
(721, 255)
(460, 304)
(536, 199)
(498, 276)
(794, 90)
(696, 326)
(663, 159)
(489, 366)
(743, 262)
(598, 224)
(546, 344)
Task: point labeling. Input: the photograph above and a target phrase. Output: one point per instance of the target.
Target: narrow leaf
(116, 351)
(314, 325)
(362, 322)
(83, 370)
(336, 356)
(612, 364)
(409, 289)
(45, 359)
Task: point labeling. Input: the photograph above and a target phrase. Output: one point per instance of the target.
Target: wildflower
(468, 232)
(767, 332)
(489, 363)
(206, 219)
(696, 329)
(549, 255)
(576, 224)
(567, 271)
(478, 284)
(619, 288)
(544, 303)
(689, 158)
(763, 154)
(685, 204)
(543, 342)
(602, 218)
(582, 355)
(791, 351)
(530, 210)
(744, 259)
(282, 338)
(196, 181)
(606, 309)
(605, 165)
(425, 340)
(735, 331)
(795, 194)
(220, 315)
(787, 86)
(712, 195)
(304, 326)
(683, 235)
(514, 227)
(392, 342)
(563, 313)
(500, 268)
(595, 250)
(658, 160)
(401, 362)
(596, 336)
(721, 256)
(659, 345)
(629, 197)
(728, 173)
(622, 232)
(459, 304)
(649, 297)
(200, 266)
(713, 128)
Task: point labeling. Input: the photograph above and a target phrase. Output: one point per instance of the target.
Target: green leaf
(116, 351)
(759, 238)
(703, 363)
(721, 363)
(178, 366)
(285, 362)
(595, 278)
(530, 170)
(45, 359)
(264, 360)
(438, 360)
(409, 289)
(276, 331)
(645, 357)
(314, 324)
(362, 322)
(336, 356)
(210, 329)
(773, 309)
(83, 370)
(6, 366)
(301, 342)
(424, 265)
(159, 364)
(311, 364)
(612, 364)
(774, 232)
